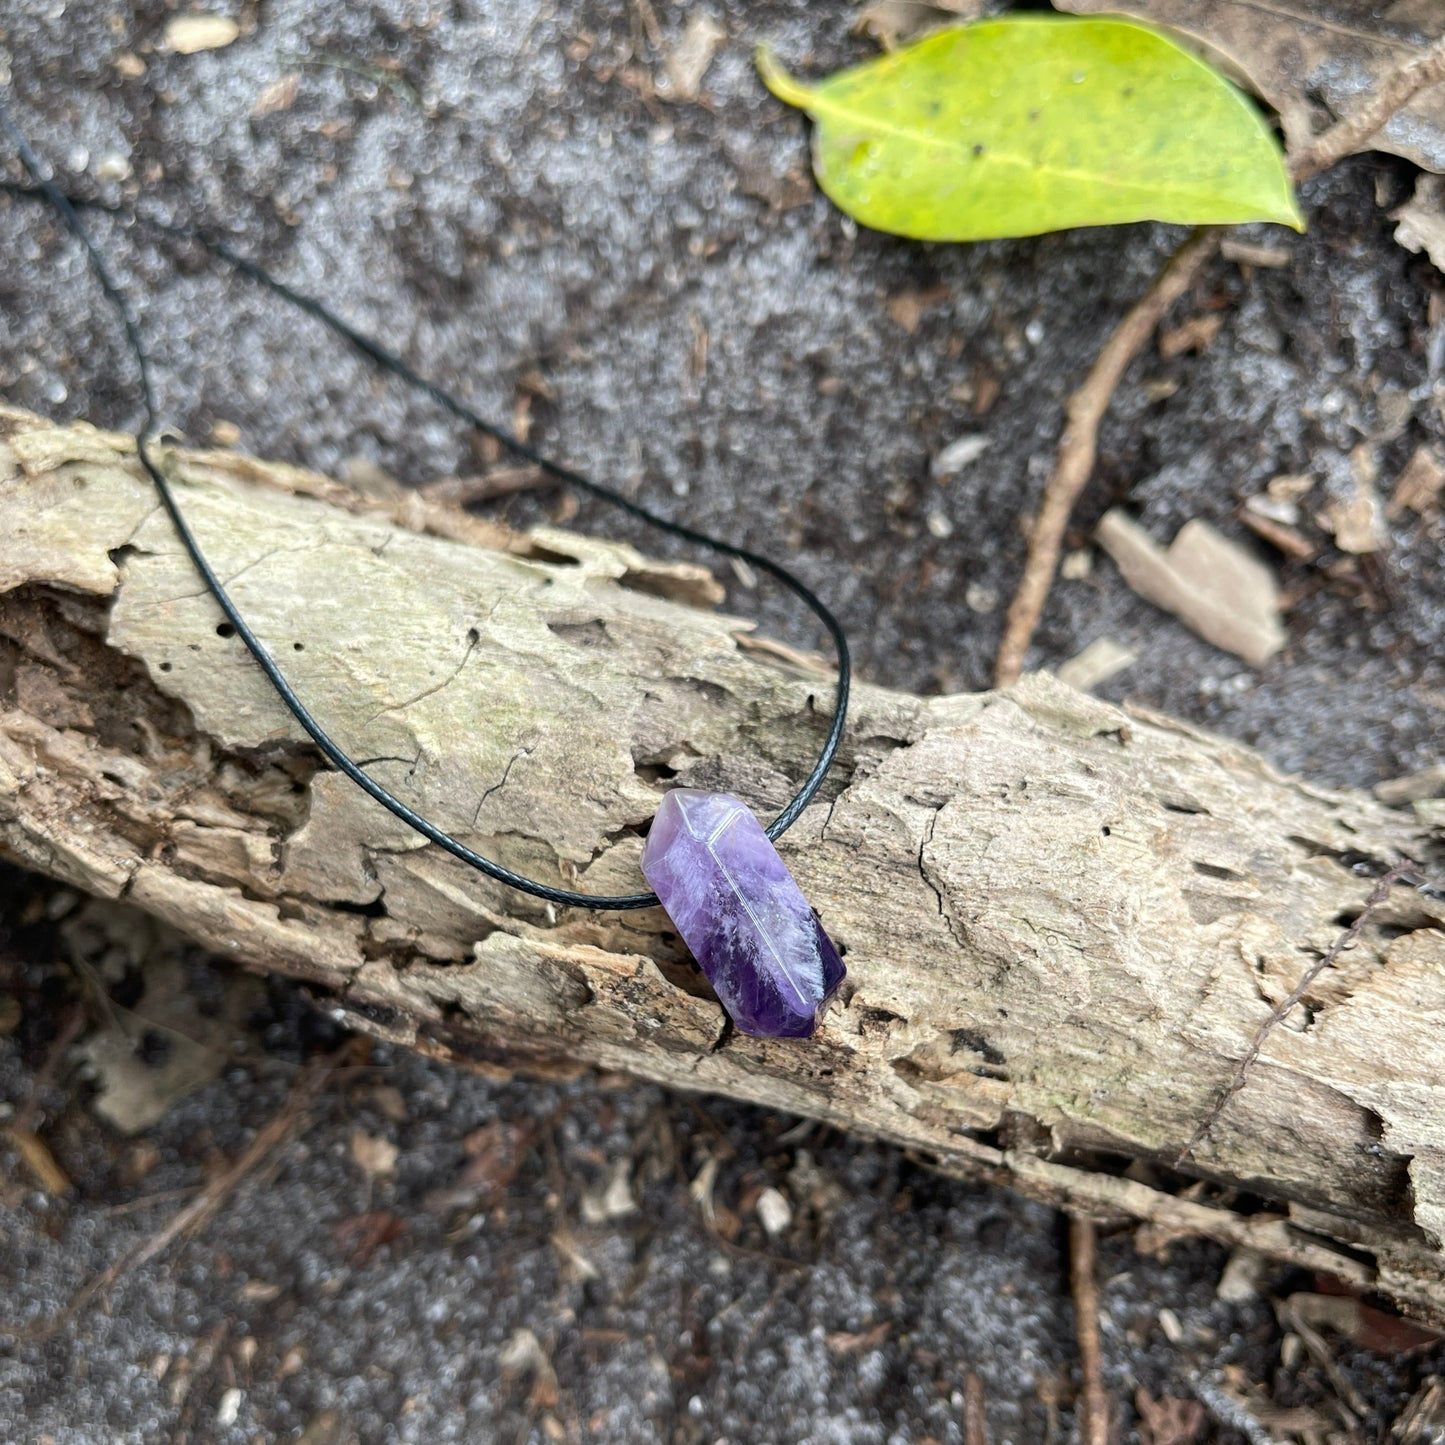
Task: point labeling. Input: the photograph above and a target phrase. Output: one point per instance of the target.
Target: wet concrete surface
(658, 291)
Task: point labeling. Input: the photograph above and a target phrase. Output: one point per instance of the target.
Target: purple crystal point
(740, 912)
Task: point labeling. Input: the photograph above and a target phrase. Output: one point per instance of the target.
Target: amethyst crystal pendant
(740, 912)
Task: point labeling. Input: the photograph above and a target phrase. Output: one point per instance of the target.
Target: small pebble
(228, 1409)
(775, 1214)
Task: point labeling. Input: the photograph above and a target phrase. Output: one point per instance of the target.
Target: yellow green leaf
(1032, 123)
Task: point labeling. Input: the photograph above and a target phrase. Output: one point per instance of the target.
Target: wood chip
(1289, 541)
(188, 34)
(1097, 663)
(1357, 521)
(1209, 583)
(1413, 788)
(614, 1200)
(278, 96)
(1289, 486)
(1418, 488)
(1420, 222)
(688, 61)
(1241, 1281)
(37, 1158)
(374, 1156)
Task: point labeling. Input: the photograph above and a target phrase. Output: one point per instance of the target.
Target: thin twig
(504, 482)
(195, 1215)
(33, 1150)
(975, 1416)
(1084, 1283)
(1086, 408)
(1079, 444)
(1281, 1010)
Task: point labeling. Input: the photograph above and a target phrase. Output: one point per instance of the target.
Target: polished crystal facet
(740, 912)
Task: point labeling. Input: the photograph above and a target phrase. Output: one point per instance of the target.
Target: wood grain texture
(1063, 921)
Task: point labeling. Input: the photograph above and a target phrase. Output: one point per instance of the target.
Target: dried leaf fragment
(1097, 663)
(1420, 222)
(1209, 583)
(189, 34)
(149, 1057)
(495, 1155)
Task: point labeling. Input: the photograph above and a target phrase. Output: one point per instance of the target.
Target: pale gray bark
(1064, 922)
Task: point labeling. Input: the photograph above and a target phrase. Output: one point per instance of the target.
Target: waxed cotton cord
(68, 207)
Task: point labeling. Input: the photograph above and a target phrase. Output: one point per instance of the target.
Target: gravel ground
(659, 293)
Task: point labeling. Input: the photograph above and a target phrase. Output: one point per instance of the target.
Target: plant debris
(1419, 485)
(152, 1054)
(1209, 583)
(1312, 55)
(1357, 520)
(688, 61)
(895, 22)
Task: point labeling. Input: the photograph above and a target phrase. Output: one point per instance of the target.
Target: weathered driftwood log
(1064, 922)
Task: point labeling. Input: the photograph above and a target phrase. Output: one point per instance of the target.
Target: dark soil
(493, 188)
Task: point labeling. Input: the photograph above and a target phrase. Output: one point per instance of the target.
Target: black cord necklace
(713, 866)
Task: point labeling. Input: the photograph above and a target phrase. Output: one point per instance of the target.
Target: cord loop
(67, 207)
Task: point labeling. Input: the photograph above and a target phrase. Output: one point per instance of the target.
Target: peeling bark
(1063, 921)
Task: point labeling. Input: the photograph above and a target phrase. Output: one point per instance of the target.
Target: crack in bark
(931, 885)
(501, 782)
(473, 637)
